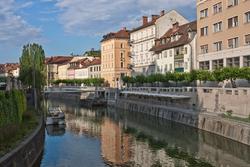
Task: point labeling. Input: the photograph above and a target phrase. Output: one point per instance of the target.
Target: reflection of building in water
(85, 123)
(146, 157)
(116, 145)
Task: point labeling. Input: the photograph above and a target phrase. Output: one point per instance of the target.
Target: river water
(108, 137)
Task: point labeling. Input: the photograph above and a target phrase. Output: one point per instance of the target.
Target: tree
(203, 75)
(245, 73)
(33, 60)
(231, 73)
(218, 75)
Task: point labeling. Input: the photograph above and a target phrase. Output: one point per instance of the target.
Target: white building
(85, 68)
(143, 39)
(176, 49)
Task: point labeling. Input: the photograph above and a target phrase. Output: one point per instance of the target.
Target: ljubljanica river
(109, 137)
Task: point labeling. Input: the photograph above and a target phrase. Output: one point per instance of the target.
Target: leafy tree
(203, 75)
(245, 73)
(218, 75)
(33, 60)
(231, 73)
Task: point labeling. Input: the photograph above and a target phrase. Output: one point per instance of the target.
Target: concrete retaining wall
(170, 113)
(231, 129)
(211, 122)
(28, 152)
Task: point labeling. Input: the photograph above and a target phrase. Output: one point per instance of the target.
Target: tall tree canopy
(33, 60)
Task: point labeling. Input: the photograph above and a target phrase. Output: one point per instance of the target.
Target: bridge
(71, 89)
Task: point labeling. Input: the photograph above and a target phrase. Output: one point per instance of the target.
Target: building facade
(143, 38)
(115, 57)
(176, 49)
(9, 69)
(223, 33)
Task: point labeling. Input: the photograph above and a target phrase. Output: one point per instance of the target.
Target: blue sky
(66, 26)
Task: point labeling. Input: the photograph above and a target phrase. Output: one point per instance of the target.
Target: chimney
(144, 20)
(154, 17)
(175, 25)
(124, 28)
(162, 13)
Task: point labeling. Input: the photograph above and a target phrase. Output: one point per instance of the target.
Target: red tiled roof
(58, 59)
(86, 63)
(8, 67)
(180, 30)
(122, 34)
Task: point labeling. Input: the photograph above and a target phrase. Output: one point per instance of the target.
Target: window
(233, 43)
(217, 64)
(170, 53)
(122, 46)
(203, 13)
(233, 22)
(204, 49)
(170, 67)
(218, 8)
(122, 65)
(204, 31)
(246, 61)
(233, 62)
(247, 15)
(232, 3)
(247, 39)
(204, 65)
(141, 47)
(218, 46)
(218, 27)
(166, 68)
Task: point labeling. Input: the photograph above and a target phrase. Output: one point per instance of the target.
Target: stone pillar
(241, 61)
(210, 65)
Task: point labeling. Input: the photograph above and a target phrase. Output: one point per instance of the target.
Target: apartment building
(176, 49)
(52, 64)
(9, 69)
(115, 52)
(142, 39)
(223, 33)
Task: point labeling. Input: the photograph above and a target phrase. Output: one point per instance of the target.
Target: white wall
(165, 22)
(81, 73)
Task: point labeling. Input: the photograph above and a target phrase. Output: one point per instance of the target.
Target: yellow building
(115, 57)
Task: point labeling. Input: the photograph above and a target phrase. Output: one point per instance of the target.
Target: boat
(55, 116)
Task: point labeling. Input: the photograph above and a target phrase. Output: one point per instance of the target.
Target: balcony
(179, 57)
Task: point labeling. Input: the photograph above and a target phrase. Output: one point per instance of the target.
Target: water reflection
(123, 138)
(56, 130)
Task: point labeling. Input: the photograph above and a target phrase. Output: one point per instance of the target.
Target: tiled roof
(8, 67)
(58, 59)
(85, 63)
(150, 23)
(122, 34)
(183, 39)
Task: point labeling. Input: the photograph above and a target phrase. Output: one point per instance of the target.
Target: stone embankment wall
(183, 116)
(27, 152)
(231, 129)
(185, 112)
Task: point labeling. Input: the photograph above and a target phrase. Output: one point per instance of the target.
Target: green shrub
(12, 106)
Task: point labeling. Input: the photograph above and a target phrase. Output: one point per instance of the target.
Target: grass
(13, 134)
(247, 120)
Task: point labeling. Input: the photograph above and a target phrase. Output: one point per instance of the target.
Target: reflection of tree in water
(173, 156)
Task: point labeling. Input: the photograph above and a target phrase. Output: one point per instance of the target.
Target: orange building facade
(115, 52)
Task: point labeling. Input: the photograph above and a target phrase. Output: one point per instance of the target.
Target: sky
(63, 27)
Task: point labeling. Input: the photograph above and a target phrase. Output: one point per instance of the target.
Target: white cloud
(14, 30)
(99, 16)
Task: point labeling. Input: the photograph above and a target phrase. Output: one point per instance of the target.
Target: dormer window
(163, 41)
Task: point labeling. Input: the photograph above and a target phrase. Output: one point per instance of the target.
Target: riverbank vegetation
(15, 121)
(231, 74)
(87, 82)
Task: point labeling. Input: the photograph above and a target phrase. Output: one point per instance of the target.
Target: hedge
(228, 73)
(12, 106)
(87, 82)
